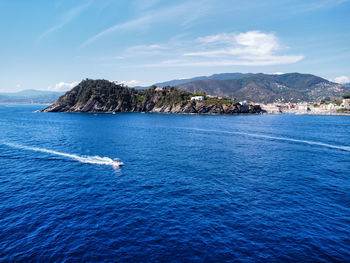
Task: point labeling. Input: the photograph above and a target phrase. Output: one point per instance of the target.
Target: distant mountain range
(223, 76)
(30, 96)
(267, 88)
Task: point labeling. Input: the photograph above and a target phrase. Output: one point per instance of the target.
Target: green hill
(291, 87)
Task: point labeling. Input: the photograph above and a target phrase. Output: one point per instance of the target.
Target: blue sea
(193, 188)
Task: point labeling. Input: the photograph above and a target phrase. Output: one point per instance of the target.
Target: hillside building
(346, 103)
(198, 98)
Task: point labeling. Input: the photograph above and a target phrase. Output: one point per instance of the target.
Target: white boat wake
(83, 159)
(339, 147)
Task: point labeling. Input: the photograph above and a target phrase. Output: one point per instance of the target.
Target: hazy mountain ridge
(30, 96)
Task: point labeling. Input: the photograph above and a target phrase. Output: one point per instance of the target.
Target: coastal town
(336, 107)
(325, 107)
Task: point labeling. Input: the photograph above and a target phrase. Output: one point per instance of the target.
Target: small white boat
(117, 162)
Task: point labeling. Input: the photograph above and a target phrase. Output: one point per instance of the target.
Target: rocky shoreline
(192, 108)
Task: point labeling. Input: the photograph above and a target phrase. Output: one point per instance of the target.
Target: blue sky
(52, 45)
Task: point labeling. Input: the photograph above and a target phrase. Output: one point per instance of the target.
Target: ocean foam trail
(82, 159)
(338, 147)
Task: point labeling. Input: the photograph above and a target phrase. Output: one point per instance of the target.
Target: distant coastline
(322, 114)
(336, 107)
(20, 103)
(30, 97)
(102, 96)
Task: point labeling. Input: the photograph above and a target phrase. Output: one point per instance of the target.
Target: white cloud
(137, 23)
(146, 50)
(141, 49)
(252, 48)
(188, 11)
(249, 48)
(66, 18)
(223, 63)
(132, 83)
(342, 79)
(63, 86)
(278, 73)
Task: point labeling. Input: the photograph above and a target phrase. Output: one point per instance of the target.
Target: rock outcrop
(106, 96)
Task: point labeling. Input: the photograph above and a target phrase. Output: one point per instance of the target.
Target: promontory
(106, 96)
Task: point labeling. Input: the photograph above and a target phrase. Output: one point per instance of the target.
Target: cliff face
(105, 96)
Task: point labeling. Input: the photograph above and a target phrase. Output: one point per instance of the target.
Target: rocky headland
(105, 96)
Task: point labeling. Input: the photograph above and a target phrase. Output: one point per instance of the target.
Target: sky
(53, 45)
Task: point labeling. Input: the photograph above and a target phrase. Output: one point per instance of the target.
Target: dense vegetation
(105, 96)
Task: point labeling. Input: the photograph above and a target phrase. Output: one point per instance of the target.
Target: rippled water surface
(193, 188)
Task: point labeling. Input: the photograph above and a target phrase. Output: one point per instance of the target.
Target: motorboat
(117, 162)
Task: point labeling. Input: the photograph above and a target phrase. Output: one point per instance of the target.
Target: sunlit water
(193, 188)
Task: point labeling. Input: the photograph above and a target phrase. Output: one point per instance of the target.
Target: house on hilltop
(198, 98)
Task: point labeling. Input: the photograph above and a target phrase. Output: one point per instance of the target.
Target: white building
(271, 108)
(244, 103)
(324, 107)
(346, 103)
(331, 106)
(198, 98)
(302, 107)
